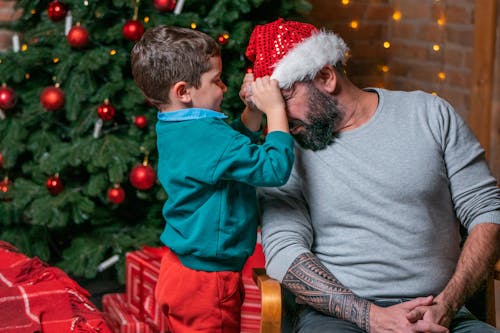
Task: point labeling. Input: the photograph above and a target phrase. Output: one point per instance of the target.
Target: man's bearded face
(322, 117)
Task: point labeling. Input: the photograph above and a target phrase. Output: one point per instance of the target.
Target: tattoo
(312, 283)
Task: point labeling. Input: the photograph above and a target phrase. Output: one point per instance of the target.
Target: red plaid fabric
(36, 297)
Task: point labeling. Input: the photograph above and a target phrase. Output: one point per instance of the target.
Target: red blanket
(35, 297)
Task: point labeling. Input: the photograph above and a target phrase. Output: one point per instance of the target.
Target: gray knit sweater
(379, 207)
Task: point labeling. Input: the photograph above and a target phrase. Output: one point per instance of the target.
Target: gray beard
(322, 118)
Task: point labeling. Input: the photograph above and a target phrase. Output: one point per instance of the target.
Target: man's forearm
(479, 254)
(312, 283)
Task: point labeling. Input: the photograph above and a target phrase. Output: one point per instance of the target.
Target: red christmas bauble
(164, 5)
(142, 177)
(116, 194)
(78, 37)
(52, 98)
(54, 185)
(56, 11)
(133, 30)
(106, 111)
(141, 121)
(8, 98)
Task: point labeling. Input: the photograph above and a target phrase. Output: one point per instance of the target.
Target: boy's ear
(180, 92)
(326, 78)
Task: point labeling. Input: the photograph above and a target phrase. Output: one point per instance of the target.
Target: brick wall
(7, 13)
(410, 62)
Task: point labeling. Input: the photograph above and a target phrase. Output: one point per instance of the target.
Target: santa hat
(292, 51)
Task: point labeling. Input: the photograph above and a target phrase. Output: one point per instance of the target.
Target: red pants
(199, 301)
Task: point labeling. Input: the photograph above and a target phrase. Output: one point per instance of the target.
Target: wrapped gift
(119, 318)
(143, 268)
(251, 308)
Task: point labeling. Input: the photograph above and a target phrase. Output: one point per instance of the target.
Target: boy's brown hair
(166, 55)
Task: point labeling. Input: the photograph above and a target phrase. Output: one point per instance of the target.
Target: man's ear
(326, 79)
(180, 93)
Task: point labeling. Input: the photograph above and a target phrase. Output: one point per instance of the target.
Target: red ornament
(54, 185)
(106, 111)
(8, 97)
(141, 121)
(116, 194)
(56, 11)
(133, 30)
(223, 39)
(52, 98)
(78, 36)
(164, 5)
(142, 177)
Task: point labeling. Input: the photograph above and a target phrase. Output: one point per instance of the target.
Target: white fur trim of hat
(306, 59)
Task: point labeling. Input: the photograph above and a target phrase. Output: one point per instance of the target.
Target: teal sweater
(209, 171)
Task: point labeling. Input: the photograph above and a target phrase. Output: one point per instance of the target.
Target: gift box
(119, 318)
(251, 307)
(142, 269)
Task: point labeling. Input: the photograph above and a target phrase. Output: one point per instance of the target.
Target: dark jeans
(311, 321)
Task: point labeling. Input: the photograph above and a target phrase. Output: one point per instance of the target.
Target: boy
(209, 171)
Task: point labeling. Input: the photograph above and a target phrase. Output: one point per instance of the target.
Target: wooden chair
(272, 312)
(490, 300)
(271, 309)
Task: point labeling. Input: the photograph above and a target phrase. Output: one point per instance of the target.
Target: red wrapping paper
(143, 268)
(119, 318)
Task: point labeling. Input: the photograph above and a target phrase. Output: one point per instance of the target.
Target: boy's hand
(266, 95)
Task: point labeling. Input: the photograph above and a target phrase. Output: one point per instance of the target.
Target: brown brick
(403, 30)
(5, 39)
(459, 14)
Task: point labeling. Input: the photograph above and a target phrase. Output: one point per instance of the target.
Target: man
(365, 232)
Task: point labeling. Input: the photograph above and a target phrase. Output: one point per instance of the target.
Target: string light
(396, 16)
(354, 24)
(442, 76)
(33, 11)
(385, 68)
(345, 2)
(112, 52)
(24, 47)
(27, 76)
(441, 21)
(436, 47)
(387, 44)
(193, 25)
(146, 19)
(55, 60)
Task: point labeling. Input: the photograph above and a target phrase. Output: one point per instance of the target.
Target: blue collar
(189, 114)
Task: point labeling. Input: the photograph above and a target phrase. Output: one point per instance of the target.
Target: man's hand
(437, 313)
(395, 318)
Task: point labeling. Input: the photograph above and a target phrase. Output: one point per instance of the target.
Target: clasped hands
(422, 314)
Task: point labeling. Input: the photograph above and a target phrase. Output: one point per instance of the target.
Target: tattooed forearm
(310, 281)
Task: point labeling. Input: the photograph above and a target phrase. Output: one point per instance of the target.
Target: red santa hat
(292, 51)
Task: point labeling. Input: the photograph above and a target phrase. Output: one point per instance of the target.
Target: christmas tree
(77, 140)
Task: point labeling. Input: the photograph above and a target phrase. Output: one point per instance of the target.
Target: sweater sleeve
(268, 164)
(238, 125)
(286, 228)
(474, 190)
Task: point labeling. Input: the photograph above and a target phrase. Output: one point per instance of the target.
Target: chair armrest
(270, 291)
